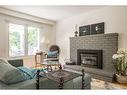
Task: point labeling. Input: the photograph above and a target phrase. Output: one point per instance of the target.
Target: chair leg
(48, 68)
(44, 66)
(55, 67)
(51, 68)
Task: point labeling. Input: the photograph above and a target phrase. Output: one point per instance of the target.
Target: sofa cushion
(16, 62)
(10, 74)
(4, 61)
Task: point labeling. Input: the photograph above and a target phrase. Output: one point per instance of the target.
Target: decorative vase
(76, 33)
(121, 79)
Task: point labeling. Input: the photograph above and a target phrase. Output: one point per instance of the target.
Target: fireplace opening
(89, 58)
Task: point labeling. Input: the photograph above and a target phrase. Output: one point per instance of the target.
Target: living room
(61, 26)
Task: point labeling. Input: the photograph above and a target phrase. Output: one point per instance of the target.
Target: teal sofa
(45, 83)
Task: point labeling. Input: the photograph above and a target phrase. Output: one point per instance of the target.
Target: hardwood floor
(103, 85)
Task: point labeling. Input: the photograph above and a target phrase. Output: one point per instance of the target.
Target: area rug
(99, 84)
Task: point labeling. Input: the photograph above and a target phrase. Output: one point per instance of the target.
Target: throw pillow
(30, 73)
(52, 54)
(10, 74)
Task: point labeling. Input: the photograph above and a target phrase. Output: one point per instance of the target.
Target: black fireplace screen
(90, 58)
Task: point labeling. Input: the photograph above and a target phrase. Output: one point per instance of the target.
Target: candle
(76, 27)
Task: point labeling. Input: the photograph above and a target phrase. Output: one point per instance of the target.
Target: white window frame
(25, 38)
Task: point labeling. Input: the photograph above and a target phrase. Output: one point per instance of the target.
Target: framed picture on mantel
(84, 30)
(97, 28)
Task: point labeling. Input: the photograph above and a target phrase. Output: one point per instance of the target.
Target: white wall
(47, 30)
(115, 18)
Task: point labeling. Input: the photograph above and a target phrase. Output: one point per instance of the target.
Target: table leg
(37, 79)
(61, 83)
(83, 81)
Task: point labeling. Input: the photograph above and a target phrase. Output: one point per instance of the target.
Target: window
(33, 40)
(23, 41)
(16, 40)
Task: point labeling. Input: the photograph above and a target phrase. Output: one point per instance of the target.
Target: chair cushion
(51, 59)
(10, 74)
(52, 54)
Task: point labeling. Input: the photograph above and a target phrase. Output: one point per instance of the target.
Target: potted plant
(120, 63)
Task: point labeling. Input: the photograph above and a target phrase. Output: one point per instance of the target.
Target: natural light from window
(33, 40)
(16, 40)
(23, 41)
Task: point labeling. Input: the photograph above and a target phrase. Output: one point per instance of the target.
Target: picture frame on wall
(97, 28)
(84, 30)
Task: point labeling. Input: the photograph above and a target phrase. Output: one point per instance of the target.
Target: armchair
(53, 53)
(52, 56)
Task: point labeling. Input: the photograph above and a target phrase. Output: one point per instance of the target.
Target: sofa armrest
(16, 62)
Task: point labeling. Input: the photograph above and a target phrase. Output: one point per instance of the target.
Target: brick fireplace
(107, 44)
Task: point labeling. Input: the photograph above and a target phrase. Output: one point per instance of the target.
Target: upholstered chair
(52, 56)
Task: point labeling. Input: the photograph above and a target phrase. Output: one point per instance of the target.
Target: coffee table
(61, 76)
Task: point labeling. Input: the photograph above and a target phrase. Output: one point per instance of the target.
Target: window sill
(21, 57)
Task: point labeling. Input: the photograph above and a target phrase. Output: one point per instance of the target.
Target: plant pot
(121, 79)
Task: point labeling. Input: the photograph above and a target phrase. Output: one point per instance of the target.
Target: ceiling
(54, 13)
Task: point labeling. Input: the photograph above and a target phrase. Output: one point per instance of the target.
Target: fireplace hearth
(90, 58)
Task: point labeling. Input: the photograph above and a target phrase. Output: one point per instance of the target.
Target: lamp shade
(45, 40)
(44, 44)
